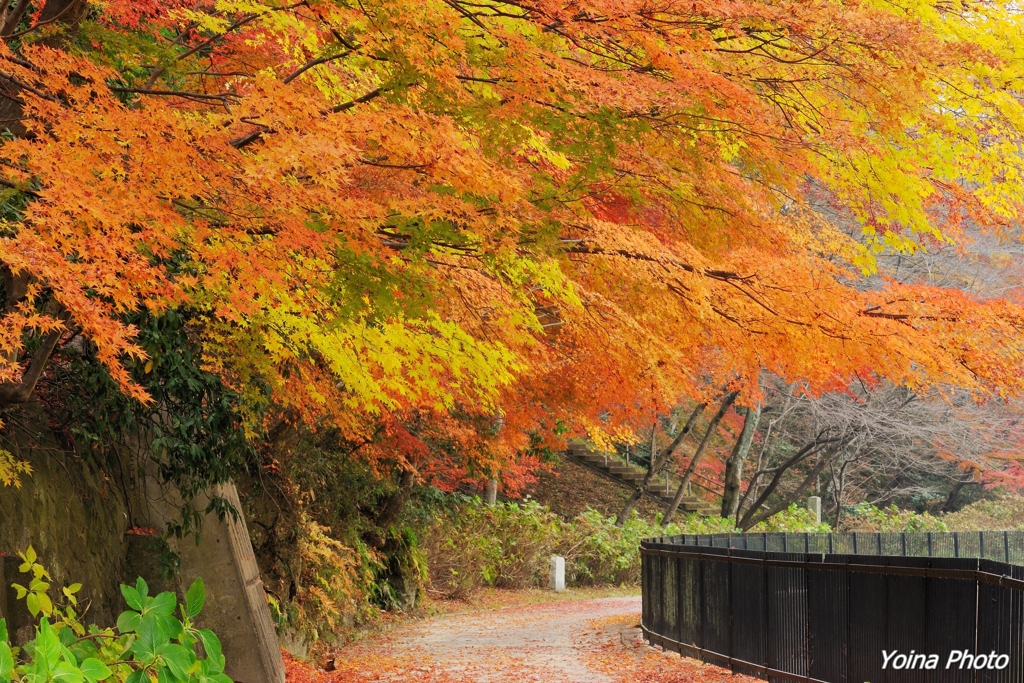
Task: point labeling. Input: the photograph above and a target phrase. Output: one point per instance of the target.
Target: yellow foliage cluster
(11, 469)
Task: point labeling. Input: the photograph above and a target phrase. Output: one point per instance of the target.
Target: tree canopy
(514, 217)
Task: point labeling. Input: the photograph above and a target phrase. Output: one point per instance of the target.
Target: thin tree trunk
(670, 511)
(750, 520)
(734, 465)
(658, 463)
(807, 451)
(839, 490)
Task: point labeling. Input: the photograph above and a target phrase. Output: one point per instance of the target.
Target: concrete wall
(75, 515)
(236, 605)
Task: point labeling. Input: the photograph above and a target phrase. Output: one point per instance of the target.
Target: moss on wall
(71, 512)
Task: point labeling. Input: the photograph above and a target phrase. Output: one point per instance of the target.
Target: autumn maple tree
(499, 217)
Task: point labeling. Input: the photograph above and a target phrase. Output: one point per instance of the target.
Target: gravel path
(541, 642)
(568, 641)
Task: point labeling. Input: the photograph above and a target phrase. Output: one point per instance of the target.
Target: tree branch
(808, 450)
(670, 511)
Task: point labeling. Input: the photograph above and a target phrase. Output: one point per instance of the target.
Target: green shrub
(865, 517)
(1006, 514)
(470, 545)
(505, 546)
(793, 519)
(598, 552)
(149, 643)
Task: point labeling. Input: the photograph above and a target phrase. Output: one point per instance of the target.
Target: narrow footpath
(569, 641)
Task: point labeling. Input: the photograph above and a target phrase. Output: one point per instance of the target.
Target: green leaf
(164, 604)
(142, 587)
(45, 605)
(30, 555)
(6, 662)
(73, 588)
(178, 659)
(154, 627)
(195, 598)
(47, 646)
(132, 597)
(128, 621)
(3, 630)
(171, 626)
(67, 636)
(164, 675)
(32, 602)
(84, 649)
(94, 669)
(211, 644)
(137, 676)
(143, 651)
(65, 672)
(21, 590)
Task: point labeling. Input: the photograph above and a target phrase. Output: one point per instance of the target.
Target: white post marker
(557, 574)
(814, 505)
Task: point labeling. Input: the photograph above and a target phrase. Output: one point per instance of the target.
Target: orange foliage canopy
(522, 212)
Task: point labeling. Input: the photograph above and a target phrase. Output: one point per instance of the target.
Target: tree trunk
(838, 489)
(734, 466)
(807, 451)
(953, 495)
(657, 464)
(670, 511)
(491, 493)
(750, 520)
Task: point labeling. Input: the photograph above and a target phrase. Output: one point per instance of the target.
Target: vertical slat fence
(826, 608)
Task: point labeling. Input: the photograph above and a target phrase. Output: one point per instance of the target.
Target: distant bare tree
(874, 444)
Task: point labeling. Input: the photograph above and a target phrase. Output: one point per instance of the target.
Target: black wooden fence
(821, 614)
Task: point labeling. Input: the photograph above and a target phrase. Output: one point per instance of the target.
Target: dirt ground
(568, 641)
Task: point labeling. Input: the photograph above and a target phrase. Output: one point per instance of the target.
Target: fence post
(808, 642)
(732, 626)
(767, 616)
